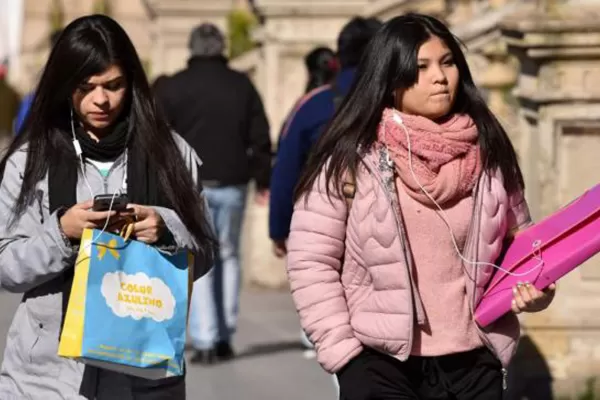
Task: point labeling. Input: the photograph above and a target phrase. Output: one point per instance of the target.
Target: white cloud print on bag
(138, 296)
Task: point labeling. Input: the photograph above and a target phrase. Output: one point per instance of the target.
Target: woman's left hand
(528, 299)
(149, 226)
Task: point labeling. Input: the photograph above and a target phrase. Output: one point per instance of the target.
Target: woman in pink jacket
(405, 204)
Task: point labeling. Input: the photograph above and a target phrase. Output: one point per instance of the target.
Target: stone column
(262, 268)
(559, 93)
(271, 76)
(499, 76)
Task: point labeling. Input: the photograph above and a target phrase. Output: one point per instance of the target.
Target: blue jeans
(215, 299)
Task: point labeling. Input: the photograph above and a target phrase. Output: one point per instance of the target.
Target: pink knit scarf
(445, 156)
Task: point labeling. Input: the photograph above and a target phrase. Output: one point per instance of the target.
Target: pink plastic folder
(544, 253)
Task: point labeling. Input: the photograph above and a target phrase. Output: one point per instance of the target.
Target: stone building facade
(558, 49)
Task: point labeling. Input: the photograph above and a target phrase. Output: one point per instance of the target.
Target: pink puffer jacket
(350, 274)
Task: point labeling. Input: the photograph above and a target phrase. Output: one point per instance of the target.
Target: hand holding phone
(116, 202)
(80, 217)
(149, 226)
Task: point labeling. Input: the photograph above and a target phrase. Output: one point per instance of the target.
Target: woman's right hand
(80, 217)
(280, 248)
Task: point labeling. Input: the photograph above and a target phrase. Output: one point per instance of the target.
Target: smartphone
(102, 202)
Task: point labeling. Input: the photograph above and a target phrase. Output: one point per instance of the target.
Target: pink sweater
(440, 276)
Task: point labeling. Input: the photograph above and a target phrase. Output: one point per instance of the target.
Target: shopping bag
(544, 253)
(128, 307)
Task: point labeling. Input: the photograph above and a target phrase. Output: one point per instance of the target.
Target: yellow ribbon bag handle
(112, 245)
(126, 231)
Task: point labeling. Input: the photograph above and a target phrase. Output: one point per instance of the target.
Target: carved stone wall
(387, 9)
(560, 142)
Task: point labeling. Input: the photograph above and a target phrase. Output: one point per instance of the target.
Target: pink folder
(556, 245)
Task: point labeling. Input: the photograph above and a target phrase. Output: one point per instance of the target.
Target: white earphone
(79, 153)
(536, 245)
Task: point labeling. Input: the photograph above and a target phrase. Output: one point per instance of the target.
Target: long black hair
(322, 66)
(390, 63)
(87, 47)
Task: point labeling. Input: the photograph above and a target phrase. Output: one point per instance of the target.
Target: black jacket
(220, 114)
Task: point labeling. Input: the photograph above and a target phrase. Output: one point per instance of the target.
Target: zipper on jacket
(110, 170)
(90, 165)
(475, 221)
(403, 244)
(118, 162)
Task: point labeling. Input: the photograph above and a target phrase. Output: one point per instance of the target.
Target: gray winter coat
(33, 256)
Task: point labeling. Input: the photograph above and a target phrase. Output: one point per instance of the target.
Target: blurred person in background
(307, 122)
(9, 104)
(156, 86)
(220, 114)
(158, 82)
(322, 66)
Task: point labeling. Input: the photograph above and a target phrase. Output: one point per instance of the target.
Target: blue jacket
(301, 131)
(23, 112)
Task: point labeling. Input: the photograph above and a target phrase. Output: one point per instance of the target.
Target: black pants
(114, 386)
(474, 375)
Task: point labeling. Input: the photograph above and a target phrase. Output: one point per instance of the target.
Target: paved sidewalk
(270, 363)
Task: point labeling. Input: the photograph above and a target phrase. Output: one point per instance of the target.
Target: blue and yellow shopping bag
(128, 307)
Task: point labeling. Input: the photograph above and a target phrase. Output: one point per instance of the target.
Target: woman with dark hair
(400, 215)
(93, 129)
(322, 66)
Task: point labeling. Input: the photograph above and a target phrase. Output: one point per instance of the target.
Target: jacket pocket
(41, 335)
(17, 340)
(15, 325)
